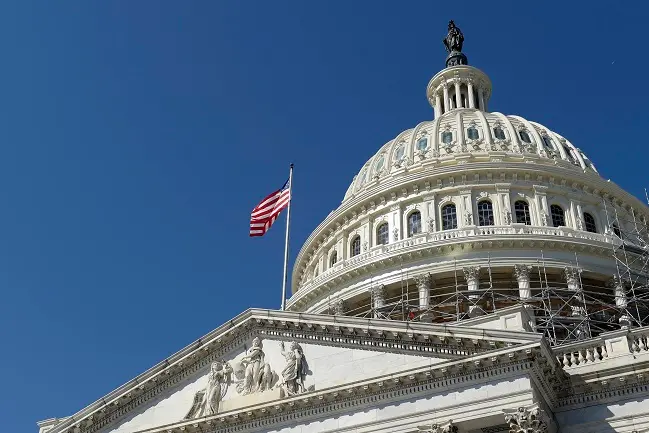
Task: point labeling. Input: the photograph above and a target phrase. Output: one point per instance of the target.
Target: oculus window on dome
(547, 142)
(525, 136)
(447, 137)
(380, 162)
(414, 223)
(382, 234)
(400, 152)
(499, 133)
(472, 133)
(522, 212)
(422, 144)
(449, 217)
(558, 216)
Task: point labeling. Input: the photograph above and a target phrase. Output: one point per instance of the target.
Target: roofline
(295, 318)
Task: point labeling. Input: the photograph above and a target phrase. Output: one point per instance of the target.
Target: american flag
(265, 213)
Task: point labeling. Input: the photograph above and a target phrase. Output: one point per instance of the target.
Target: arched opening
(382, 234)
(522, 212)
(414, 223)
(557, 215)
(485, 213)
(449, 217)
(525, 136)
(589, 223)
(355, 246)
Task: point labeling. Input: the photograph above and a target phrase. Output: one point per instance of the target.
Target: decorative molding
(527, 420)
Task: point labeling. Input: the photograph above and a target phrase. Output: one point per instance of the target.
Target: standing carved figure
(207, 401)
(295, 370)
(454, 39)
(256, 373)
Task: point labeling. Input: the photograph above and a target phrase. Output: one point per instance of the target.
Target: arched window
(447, 137)
(355, 247)
(414, 223)
(449, 217)
(333, 259)
(472, 133)
(525, 136)
(485, 213)
(382, 234)
(522, 212)
(558, 217)
(499, 133)
(589, 223)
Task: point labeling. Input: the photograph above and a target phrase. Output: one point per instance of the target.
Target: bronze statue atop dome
(453, 42)
(454, 39)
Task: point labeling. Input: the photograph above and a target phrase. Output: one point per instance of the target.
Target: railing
(582, 353)
(624, 342)
(638, 340)
(431, 239)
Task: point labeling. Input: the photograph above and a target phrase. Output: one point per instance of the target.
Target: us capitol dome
(476, 211)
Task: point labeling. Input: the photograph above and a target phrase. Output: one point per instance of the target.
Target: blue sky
(136, 136)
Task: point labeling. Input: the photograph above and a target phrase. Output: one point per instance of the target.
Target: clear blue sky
(136, 136)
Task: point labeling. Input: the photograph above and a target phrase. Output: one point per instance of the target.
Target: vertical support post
(286, 239)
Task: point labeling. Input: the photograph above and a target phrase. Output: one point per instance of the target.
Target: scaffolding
(566, 306)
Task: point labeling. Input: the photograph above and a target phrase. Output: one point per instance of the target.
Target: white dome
(483, 136)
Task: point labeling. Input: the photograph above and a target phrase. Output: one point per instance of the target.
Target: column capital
(571, 275)
(527, 420)
(339, 307)
(378, 292)
(423, 281)
(540, 189)
(471, 273)
(522, 272)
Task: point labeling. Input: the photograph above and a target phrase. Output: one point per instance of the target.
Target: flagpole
(288, 224)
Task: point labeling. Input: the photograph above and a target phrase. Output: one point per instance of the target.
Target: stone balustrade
(624, 342)
(441, 238)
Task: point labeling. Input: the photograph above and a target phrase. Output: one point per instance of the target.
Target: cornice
(383, 335)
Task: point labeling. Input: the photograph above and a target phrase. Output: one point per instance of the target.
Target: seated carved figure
(255, 374)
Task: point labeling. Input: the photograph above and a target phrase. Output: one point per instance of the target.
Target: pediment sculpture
(253, 372)
(207, 401)
(295, 371)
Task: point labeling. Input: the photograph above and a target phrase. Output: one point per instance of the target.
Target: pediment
(263, 357)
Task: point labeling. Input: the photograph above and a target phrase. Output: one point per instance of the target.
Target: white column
(579, 217)
(472, 276)
(438, 105)
(423, 286)
(339, 307)
(466, 217)
(378, 299)
(482, 100)
(470, 90)
(541, 199)
(458, 95)
(621, 300)
(396, 231)
(522, 273)
(571, 276)
(446, 100)
(430, 224)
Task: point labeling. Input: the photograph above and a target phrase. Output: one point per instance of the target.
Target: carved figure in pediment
(295, 371)
(207, 401)
(253, 371)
